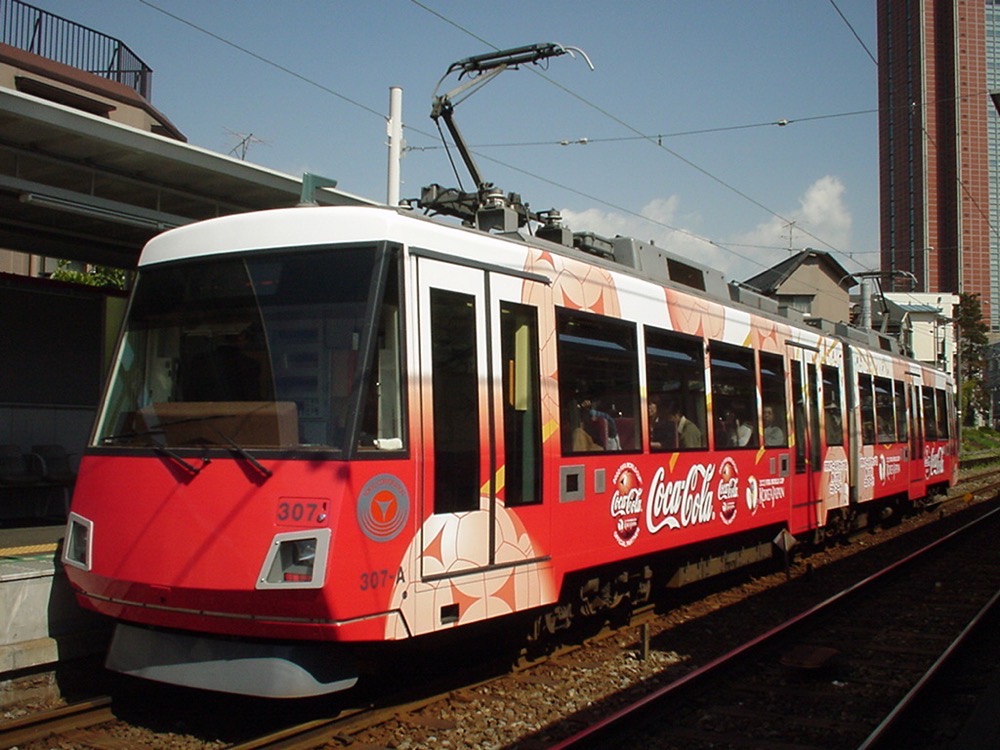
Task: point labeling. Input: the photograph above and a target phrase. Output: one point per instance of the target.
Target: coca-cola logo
(626, 504)
(679, 503)
(934, 462)
(728, 490)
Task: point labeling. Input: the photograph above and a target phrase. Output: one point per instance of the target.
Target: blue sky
(721, 185)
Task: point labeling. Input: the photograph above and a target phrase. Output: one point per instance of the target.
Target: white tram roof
(315, 226)
(306, 226)
(301, 226)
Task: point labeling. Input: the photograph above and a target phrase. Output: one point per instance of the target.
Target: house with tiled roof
(812, 282)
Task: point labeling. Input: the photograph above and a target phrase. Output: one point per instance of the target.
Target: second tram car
(335, 427)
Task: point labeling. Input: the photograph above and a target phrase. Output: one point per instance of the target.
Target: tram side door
(807, 469)
(480, 419)
(918, 472)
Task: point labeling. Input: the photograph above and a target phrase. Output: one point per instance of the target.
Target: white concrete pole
(395, 131)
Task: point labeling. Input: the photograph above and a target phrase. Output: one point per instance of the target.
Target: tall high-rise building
(938, 139)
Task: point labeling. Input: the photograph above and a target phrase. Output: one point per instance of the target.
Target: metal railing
(34, 30)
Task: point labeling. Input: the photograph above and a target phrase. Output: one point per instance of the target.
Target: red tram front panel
(193, 554)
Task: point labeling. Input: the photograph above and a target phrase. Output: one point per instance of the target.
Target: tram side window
(522, 406)
(382, 418)
(942, 414)
(930, 419)
(675, 378)
(772, 388)
(456, 401)
(902, 423)
(867, 403)
(799, 418)
(885, 420)
(598, 383)
(815, 454)
(734, 396)
(832, 410)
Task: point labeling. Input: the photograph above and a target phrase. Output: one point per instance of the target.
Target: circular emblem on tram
(383, 507)
(728, 490)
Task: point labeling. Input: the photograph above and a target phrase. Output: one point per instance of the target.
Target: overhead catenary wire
(854, 31)
(261, 58)
(587, 140)
(656, 141)
(370, 110)
(638, 135)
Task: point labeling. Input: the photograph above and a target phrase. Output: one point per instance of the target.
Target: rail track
(838, 675)
(980, 459)
(316, 733)
(71, 723)
(442, 723)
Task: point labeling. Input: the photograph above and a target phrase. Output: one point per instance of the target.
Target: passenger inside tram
(735, 431)
(689, 435)
(599, 424)
(662, 429)
(834, 427)
(885, 430)
(580, 439)
(773, 434)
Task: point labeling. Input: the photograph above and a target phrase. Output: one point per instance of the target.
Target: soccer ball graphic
(492, 584)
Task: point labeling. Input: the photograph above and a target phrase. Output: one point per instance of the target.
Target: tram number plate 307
(302, 511)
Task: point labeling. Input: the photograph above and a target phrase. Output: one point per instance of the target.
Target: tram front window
(272, 350)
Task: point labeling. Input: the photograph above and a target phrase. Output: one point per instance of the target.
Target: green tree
(103, 276)
(972, 342)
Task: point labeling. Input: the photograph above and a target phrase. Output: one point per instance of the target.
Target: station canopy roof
(80, 187)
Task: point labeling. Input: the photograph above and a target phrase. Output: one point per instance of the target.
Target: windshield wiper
(161, 429)
(109, 439)
(243, 453)
(188, 466)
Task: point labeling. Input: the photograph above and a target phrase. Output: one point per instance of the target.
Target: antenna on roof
(245, 141)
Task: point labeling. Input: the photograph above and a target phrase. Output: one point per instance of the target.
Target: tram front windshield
(292, 350)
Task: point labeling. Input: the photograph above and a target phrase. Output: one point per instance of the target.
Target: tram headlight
(79, 542)
(296, 559)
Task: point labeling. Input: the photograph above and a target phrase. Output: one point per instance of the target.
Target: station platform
(40, 622)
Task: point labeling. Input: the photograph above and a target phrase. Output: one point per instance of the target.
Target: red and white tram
(328, 427)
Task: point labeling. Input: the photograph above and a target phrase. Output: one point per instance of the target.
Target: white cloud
(821, 221)
(658, 222)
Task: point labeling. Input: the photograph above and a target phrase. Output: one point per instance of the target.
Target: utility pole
(394, 128)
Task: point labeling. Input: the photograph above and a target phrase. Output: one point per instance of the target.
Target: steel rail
(606, 726)
(56, 722)
(893, 717)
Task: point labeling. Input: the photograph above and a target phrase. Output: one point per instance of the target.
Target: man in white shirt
(773, 434)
